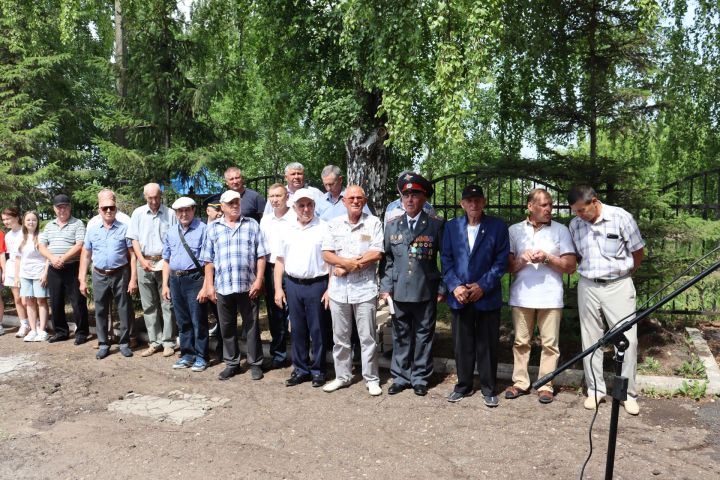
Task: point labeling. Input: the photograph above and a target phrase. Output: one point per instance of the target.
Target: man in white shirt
(299, 256)
(541, 250)
(274, 227)
(353, 245)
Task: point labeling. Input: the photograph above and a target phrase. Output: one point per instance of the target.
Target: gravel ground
(55, 423)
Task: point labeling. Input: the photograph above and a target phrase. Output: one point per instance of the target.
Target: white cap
(228, 196)
(303, 193)
(183, 202)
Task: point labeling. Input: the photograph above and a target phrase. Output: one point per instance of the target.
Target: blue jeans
(191, 316)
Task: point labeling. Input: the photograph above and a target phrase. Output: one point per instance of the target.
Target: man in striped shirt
(609, 249)
(60, 242)
(234, 255)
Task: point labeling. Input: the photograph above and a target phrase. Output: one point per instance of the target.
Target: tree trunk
(367, 164)
(120, 66)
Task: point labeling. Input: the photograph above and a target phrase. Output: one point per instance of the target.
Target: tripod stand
(616, 337)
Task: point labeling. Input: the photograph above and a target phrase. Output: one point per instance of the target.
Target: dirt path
(55, 423)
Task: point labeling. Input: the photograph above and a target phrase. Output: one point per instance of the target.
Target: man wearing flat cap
(411, 281)
(474, 258)
(61, 242)
(299, 257)
(234, 254)
(183, 278)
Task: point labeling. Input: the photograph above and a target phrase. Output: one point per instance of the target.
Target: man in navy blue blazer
(474, 256)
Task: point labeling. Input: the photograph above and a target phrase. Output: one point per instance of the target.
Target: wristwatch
(547, 259)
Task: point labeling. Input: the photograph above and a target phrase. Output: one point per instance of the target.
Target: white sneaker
(23, 330)
(30, 337)
(2, 330)
(336, 384)
(374, 389)
(41, 336)
(631, 406)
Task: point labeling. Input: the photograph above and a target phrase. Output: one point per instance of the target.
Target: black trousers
(228, 307)
(64, 283)
(476, 335)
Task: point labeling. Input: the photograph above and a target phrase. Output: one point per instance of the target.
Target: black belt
(308, 281)
(182, 273)
(603, 281)
(110, 271)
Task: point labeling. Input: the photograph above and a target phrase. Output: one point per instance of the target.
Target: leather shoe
(297, 379)
(318, 380)
(57, 338)
(512, 392)
(256, 372)
(396, 388)
(420, 390)
(545, 396)
(80, 339)
(102, 352)
(229, 372)
(125, 350)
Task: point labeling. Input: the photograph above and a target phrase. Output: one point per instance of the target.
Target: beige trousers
(548, 322)
(613, 302)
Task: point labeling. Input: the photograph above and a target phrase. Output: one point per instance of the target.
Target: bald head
(151, 191)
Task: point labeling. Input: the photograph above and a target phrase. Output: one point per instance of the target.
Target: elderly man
(274, 227)
(353, 245)
(97, 221)
(299, 256)
(331, 204)
(395, 208)
(295, 177)
(411, 282)
(609, 249)
(234, 254)
(541, 250)
(474, 259)
(148, 226)
(114, 275)
(251, 202)
(183, 277)
(60, 242)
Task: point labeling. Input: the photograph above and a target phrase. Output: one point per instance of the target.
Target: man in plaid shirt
(609, 249)
(234, 254)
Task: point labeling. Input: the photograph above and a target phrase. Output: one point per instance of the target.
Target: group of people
(322, 261)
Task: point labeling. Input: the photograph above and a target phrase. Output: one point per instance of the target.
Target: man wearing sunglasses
(114, 274)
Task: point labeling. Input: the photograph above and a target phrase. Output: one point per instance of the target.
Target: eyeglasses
(109, 208)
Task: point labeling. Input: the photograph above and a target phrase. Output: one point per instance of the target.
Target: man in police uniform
(411, 282)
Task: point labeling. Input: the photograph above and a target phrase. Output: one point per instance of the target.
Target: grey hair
(331, 170)
(294, 166)
(581, 192)
(150, 186)
(106, 193)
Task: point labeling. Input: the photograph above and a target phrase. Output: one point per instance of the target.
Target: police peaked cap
(414, 182)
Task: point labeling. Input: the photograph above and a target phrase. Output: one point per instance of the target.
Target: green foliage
(692, 369)
(695, 390)
(649, 366)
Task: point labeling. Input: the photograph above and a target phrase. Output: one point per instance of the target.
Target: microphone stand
(617, 338)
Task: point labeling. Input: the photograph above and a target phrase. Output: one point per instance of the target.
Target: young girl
(13, 237)
(31, 276)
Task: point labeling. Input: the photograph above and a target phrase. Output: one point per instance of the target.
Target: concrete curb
(569, 378)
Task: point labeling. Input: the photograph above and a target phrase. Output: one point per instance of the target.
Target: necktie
(412, 226)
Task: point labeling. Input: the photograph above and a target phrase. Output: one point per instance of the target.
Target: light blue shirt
(327, 209)
(109, 246)
(149, 228)
(174, 251)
